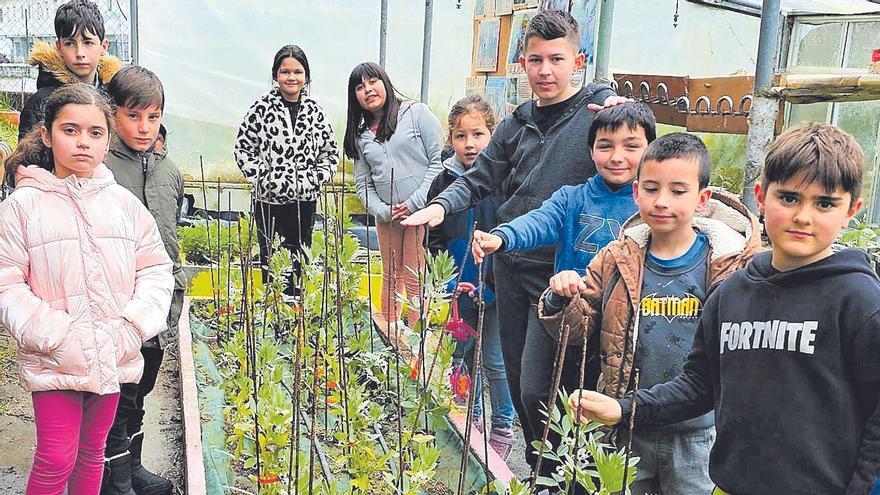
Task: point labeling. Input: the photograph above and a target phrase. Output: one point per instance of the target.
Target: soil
(163, 433)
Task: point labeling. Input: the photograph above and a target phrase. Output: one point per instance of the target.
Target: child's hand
(567, 283)
(611, 101)
(399, 211)
(484, 245)
(594, 407)
(432, 215)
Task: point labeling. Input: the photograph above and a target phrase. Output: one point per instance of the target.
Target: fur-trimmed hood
(53, 72)
(726, 222)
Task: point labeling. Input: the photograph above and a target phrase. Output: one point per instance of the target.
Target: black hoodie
(791, 363)
(527, 166)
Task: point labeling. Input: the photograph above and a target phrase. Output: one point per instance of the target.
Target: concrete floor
(163, 450)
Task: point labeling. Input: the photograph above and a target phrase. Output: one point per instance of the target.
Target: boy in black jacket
(78, 55)
(533, 152)
(787, 350)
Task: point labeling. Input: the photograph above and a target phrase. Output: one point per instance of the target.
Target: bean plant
(307, 384)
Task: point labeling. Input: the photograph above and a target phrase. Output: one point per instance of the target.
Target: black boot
(143, 481)
(117, 475)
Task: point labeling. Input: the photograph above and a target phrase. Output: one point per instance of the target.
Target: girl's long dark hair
(359, 119)
(31, 150)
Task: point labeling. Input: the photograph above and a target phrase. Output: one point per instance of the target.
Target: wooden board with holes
(723, 96)
(648, 88)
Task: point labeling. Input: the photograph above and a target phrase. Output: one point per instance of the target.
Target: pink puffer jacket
(84, 280)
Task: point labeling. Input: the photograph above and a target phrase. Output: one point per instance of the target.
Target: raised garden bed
(321, 396)
(335, 408)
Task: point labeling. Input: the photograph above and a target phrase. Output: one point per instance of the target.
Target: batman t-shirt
(673, 292)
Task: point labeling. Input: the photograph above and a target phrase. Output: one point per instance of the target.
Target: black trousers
(293, 223)
(130, 411)
(529, 351)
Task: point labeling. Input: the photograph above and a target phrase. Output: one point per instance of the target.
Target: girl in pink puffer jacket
(84, 281)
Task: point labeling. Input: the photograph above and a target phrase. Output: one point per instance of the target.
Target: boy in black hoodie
(533, 152)
(787, 350)
(78, 55)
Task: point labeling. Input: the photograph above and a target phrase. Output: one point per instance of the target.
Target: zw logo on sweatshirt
(593, 224)
(776, 334)
(671, 307)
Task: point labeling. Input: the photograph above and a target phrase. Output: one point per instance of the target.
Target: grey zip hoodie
(413, 152)
(530, 166)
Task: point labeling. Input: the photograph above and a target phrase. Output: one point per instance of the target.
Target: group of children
(662, 282)
(89, 266)
(659, 280)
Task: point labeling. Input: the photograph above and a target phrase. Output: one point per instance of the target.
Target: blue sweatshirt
(579, 220)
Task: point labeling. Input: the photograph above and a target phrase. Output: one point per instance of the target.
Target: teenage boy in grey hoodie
(533, 152)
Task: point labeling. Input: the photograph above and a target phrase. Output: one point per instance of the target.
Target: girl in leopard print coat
(286, 150)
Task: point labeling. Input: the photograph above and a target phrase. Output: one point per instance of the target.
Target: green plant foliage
(194, 241)
(728, 153)
(583, 458)
(864, 236)
(8, 134)
(317, 360)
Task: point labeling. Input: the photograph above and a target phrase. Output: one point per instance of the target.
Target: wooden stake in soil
(325, 293)
(577, 426)
(632, 429)
(369, 268)
(340, 338)
(229, 273)
(551, 403)
(215, 296)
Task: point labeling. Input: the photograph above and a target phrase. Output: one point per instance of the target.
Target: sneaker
(478, 424)
(501, 441)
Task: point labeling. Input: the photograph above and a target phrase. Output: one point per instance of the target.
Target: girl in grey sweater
(395, 145)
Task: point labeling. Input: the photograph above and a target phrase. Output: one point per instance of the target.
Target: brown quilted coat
(614, 280)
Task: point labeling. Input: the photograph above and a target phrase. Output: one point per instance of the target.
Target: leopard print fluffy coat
(286, 162)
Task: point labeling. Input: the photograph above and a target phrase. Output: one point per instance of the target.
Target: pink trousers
(71, 431)
(403, 258)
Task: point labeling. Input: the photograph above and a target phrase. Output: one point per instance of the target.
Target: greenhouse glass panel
(811, 112)
(818, 45)
(864, 37)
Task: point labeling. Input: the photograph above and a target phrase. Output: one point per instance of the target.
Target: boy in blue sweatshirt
(578, 221)
(786, 351)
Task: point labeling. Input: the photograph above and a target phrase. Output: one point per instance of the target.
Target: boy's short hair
(819, 153)
(632, 115)
(77, 16)
(680, 145)
(551, 25)
(136, 87)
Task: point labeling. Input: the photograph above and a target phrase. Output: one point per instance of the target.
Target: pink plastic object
(457, 327)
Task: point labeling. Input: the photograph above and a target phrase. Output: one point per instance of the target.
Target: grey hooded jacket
(412, 152)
